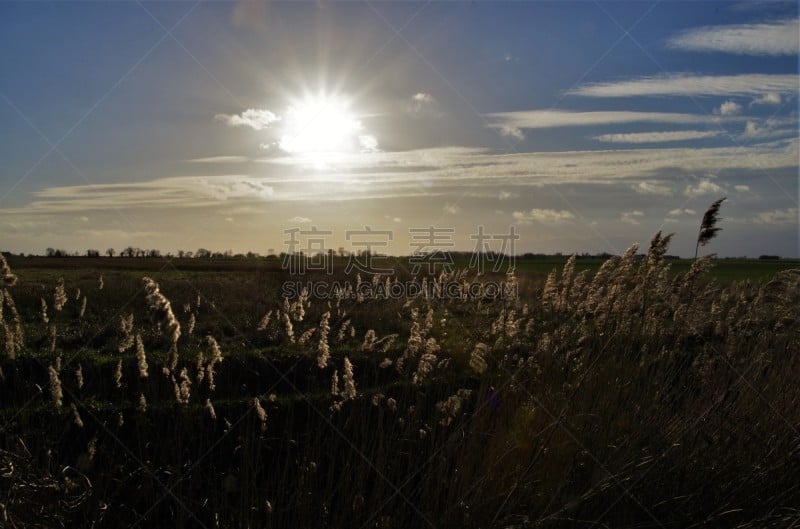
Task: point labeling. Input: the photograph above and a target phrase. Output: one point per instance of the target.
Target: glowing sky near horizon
(586, 126)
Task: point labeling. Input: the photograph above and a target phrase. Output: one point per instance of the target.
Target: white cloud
(705, 187)
(171, 192)
(678, 212)
(652, 188)
(770, 98)
(299, 220)
(632, 217)
(422, 104)
(368, 142)
(741, 188)
(444, 172)
(729, 108)
(765, 129)
(545, 216)
(512, 132)
(681, 84)
(505, 195)
(775, 38)
(777, 216)
(510, 123)
(219, 159)
(254, 118)
(657, 137)
(451, 209)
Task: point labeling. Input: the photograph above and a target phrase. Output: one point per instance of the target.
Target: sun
(322, 129)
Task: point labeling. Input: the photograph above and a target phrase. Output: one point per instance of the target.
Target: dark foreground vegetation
(632, 393)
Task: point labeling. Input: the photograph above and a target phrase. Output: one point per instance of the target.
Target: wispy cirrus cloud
(683, 84)
(170, 192)
(507, 122)
(657, 137)
(254, 118)
(438, 172)
(219, 159)
(772, 38)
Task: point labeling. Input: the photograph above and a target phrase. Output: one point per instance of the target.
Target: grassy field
(637, 392)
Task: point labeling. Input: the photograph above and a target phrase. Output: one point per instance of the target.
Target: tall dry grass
(630, 397)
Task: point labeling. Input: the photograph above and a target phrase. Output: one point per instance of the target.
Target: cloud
(451, 209)
(505, 195)
(682, 84)
(766, 129)
(657, 137)
(512, 132)
(171, 192)
(632, 217)
(368, 142)
(442, 173)
(545, 216)
(422, 104)
(728, 108)
(770, 98)
(741, 188)
(299, 220)
(652, 188)
(510, 123)
(440, 169)
(219, 159)
(679, 212)
(254, 118)
(774, 38)
(777, 216)
(423, 98)
(705, 187)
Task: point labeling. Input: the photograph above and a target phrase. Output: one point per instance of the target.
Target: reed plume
(708, 227)
(7, 278)
(141, 357)
(162, 308)
(323, 349)
(55, 386)
(59, 295)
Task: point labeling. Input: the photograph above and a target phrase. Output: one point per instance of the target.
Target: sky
(251, 126)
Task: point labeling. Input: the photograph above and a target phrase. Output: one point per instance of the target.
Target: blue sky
(586, 126)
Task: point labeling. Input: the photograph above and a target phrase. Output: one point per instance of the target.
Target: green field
(603, 396)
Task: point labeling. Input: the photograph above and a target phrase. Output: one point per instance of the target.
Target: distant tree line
(203, 253)
(149, 253)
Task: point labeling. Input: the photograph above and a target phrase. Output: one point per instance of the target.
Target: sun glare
(320, 130)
